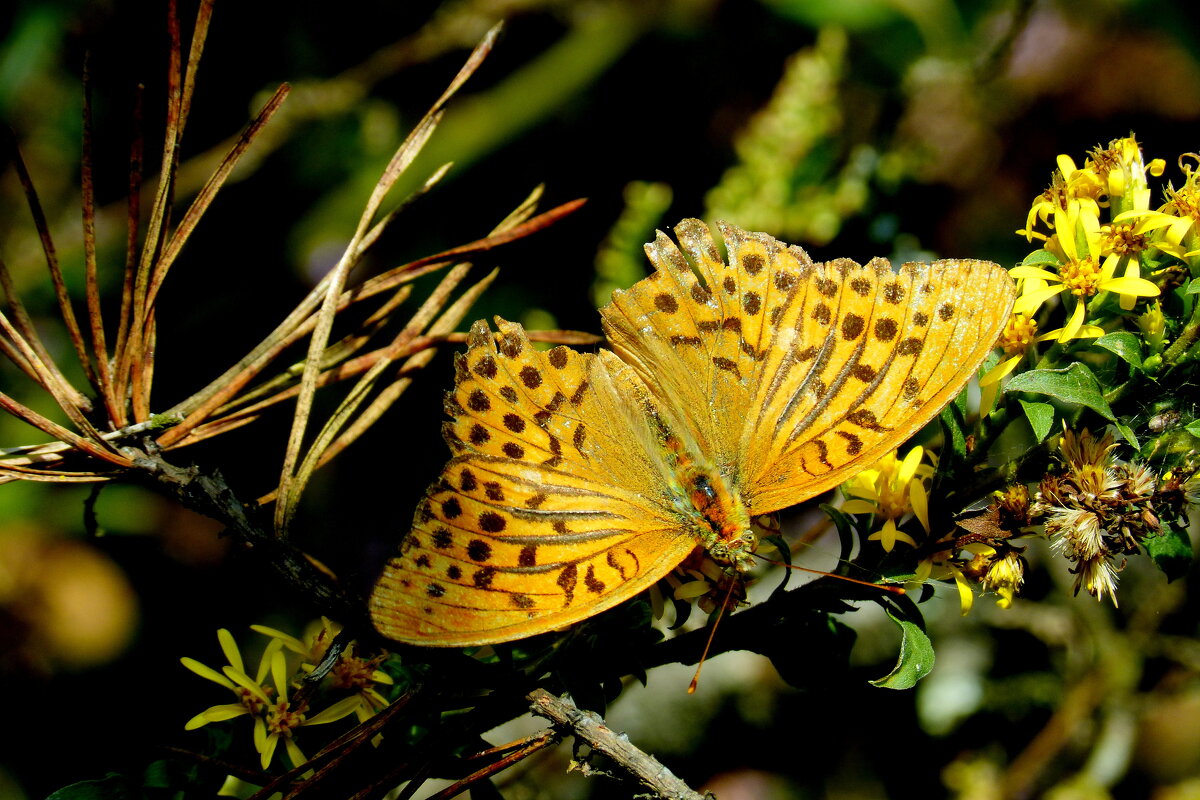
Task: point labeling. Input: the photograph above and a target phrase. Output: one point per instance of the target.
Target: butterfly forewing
(870, 357)
(794, 375)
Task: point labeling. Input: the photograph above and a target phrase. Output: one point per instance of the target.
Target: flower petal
(205, 671)
(1090, 223)
(268, 749)
(218, 714)
(1001, 370)
(1073, 326)
(966, 597)
(1025, 271)
(279, 674)
(290, 642)
(1084, 332)
(342, 708)
(1138, 287)
(294, 752)
(858, 507)
(908, 467)
(230, 649)
(1178, 230)
(1028, 303)
(918, 498)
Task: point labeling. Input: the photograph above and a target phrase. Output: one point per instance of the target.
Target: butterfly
(734, 387)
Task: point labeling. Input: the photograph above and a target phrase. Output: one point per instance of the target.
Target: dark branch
(590, 727)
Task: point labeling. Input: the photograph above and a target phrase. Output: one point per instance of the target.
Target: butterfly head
(736, 553)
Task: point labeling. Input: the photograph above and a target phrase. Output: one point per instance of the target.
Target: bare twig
(292, 475)
(133, 220)
(590, 727)
(325, 765)
(524, 749)
(56, 276)
(91, 276)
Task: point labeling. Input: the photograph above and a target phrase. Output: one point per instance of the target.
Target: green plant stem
(1188, 337)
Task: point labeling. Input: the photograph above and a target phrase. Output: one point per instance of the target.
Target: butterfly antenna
(883, 587)
(711, 633)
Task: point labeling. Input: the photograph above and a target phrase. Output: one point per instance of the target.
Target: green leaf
(1040, 258)
(1130, 438)
(110, 787)
(1074, 384)
(916, 658)
(1193, 287)
(954, 424)
(1193, 427)
(1124, 344)
(844, 528)
(823, 663)
(1171, 550)
(1014, 441)
(1041, 418)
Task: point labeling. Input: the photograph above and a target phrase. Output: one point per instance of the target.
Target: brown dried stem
(73, 396)
(139, 344)
(292, 482)
(88, 194)
(523, 750)
(133, 220)
(590, 727)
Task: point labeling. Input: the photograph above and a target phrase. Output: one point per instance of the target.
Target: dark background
(668, 88)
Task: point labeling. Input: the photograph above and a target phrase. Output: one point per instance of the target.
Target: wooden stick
(590, 727)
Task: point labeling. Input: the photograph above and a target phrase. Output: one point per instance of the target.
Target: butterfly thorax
(721, 521)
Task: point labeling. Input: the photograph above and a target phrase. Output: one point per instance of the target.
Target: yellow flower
(251, 697)
(894, 489)
(274, 717)
(1077, 244)
(281, 720)
(1123, 172)
(1129, 234)
(1068, 186)
(350, 672)
(946, 570)
(1019, 337)
(1184, 205)
(1004, 576)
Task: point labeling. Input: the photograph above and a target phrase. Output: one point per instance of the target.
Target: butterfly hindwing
(537, 522)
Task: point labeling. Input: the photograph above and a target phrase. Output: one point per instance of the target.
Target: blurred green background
(911, 128)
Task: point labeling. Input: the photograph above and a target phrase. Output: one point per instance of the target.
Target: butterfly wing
(796, 375)
(869, 357)
(555, 507)
(692, 335)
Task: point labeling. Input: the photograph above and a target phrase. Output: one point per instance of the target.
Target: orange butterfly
(732, 389)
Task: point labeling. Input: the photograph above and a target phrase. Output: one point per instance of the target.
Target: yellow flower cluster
(275, 717)
(1098, 234)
